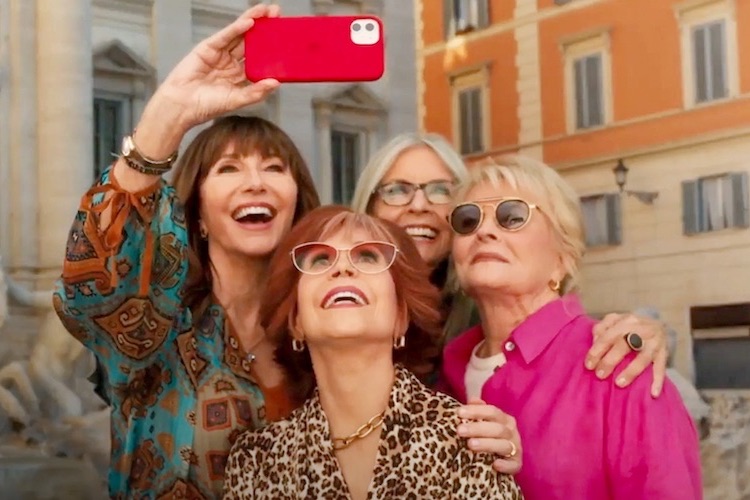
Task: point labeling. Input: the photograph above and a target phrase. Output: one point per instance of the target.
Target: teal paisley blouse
(180, 387)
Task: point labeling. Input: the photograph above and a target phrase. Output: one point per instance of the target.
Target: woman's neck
(502, 313)
(238, 282)
(353, 386)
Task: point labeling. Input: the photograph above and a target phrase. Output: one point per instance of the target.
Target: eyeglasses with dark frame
(368, 257)
(401, 193)
(511, 214)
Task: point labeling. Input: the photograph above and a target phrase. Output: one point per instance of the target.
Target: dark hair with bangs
(246, 134)
(415, 295)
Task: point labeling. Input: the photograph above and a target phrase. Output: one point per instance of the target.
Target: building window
(602, 220)
(709, 61)
(588, 91)
(721, 345)
(470, 120)
(471, 111)
(345, 158)
(715, 203)
(110, 124)
(462, 16)
(588, 81)
(710, 64)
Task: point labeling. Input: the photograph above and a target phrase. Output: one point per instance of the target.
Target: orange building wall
(647, 87)
(503, 105)
(432, 21)
(646, 80)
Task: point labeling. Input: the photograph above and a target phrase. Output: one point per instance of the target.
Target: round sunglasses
(511, 214)
(368, 257)
(400, 193)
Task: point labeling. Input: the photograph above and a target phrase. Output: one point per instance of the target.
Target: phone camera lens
(369, 26)
(356, 27)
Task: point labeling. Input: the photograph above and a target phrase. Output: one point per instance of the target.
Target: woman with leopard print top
(339, 311)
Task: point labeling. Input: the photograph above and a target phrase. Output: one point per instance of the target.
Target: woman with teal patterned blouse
(161, 281)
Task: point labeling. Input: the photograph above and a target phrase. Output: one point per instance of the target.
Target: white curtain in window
(713, 205)
(595, 220)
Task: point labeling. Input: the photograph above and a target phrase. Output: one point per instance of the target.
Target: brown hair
(247, 134)
(417, 297)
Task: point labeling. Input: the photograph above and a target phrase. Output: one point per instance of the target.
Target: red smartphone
(315, 49)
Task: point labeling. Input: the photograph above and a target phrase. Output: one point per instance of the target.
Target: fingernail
(620, 382)
(461, 430)
(600, 373)
(473, 443)
(589, 364)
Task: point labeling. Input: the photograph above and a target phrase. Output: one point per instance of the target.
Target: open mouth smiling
(421, 232)
(259, 213)
(344, 297)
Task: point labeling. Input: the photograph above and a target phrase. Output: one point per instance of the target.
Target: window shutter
(690, 207)
(476, 120)
(580, 85)
(700, 55)
(740, 202)
(594, 90)
(464, 121)
(717, 60)
(449, 28)
(614, 219)
(483, 14)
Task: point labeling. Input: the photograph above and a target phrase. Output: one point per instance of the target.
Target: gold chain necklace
(361, 433)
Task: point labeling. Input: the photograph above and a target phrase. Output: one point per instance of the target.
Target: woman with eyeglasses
(517, 249)
(411, 181)
(344, 288)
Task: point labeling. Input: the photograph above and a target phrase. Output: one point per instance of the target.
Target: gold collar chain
(361, 433)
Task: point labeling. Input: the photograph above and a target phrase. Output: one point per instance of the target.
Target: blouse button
(509, 346)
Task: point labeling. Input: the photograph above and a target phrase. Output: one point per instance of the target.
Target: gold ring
(513, 450)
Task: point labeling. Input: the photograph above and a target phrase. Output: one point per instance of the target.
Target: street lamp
(621, 177)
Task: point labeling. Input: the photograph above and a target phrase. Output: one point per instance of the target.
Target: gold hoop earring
(298, 345)
(554, 285)
(399, 342)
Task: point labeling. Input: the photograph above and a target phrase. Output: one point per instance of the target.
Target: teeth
(253, 210)
(423, 231)
(344, 295)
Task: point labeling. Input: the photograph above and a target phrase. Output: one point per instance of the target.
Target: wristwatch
(137, 161)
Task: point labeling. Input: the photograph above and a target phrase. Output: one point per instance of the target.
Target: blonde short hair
(382, 161)
(557, 198)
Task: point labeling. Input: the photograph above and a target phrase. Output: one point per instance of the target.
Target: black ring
(634, 341)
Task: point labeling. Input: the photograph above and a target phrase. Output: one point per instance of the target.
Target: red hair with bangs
(415, 295)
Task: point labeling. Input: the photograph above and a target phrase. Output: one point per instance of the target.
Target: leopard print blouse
(420, 455)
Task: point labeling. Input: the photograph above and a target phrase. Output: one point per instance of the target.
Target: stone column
(171, 34)
(324, 163)
(64, 113)
(20, 136)
(171, 40)
(529, 81)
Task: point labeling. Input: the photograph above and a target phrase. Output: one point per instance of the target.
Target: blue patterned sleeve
(121, 288)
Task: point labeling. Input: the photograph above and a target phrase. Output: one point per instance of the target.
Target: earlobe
(293, 323)
(402, 322)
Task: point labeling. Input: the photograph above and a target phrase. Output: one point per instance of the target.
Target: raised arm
(126, 258)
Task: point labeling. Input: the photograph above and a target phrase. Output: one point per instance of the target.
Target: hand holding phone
(315, 49)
